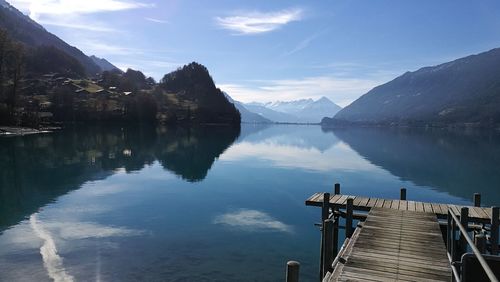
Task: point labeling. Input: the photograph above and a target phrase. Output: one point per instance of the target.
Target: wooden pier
(476, 214)
(404, 240)
(394, 245)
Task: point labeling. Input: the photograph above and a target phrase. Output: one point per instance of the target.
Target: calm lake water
(210, 204)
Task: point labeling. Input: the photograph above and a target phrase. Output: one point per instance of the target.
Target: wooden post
(335, 238)
(402, 195)
(328, 246)
(480, 242)
(348, 218)
(464, 220)
(337, 189)
(325, 212)
(494, 230)
(325, 208)
(477, 199)
(292, 271)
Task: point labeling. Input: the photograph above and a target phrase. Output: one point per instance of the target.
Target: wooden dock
(393, 245)
(402, 240)
(476, 214)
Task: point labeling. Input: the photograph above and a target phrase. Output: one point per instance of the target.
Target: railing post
(292, 271)
(448, 234)
(494, 230)
(336, 189)
(480, 242)
(477, 199)
(348, 218)
(464, 220)
(402, 195)
(328, 246)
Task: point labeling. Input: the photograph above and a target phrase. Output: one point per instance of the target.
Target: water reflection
(35, 170)
(454, 161)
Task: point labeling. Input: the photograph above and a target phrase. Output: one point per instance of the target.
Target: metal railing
(455, 251)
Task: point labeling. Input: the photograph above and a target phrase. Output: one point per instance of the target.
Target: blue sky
(276, 50)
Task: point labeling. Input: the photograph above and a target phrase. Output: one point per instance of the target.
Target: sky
(276, 50)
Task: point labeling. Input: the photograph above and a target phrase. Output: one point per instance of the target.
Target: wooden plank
(380, 203)
(403, 205)
(387, 204)
(419, 206)
(364, 202)
(371, 203)
(436, 208)
(411, 206)
(395, 204)
(428, 208)
(397, 245)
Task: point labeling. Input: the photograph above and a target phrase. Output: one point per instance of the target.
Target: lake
(127, 203)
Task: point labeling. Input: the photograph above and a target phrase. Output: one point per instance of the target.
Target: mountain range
(298, 111)
(465, 91)
(23, 29)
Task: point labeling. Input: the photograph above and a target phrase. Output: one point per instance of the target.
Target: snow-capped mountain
(299, 111)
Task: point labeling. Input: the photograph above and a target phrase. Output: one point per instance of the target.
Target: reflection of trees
(35, 170)
(457, 162)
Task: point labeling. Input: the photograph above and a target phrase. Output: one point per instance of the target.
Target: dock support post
(325, 212)
(477, 199)
(336, 223)
(494, 230)
(328, 246)
(480, 242)
(292, 271)
(402, 195)
(464, 220)
(348, 218)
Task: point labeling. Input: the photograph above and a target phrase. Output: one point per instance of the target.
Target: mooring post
(494, 230)
(480, 242)
(328, 246)
(336, 190)
(477, 199)
(325, 212)
(402, 195)
(464, 220)
(292, 271)
(348, 218)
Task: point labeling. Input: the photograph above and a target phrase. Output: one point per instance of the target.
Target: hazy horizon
(258, 51)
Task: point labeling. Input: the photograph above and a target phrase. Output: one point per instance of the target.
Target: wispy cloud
(341, 90)
(156, 20)
(303, 44)
(66, 7)
(259, 22)
(252, 220)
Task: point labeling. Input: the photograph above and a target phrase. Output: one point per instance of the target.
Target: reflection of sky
(250, 205)
(252, 220)
(339, 156)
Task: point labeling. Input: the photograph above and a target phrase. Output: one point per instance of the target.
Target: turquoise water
(210, 204)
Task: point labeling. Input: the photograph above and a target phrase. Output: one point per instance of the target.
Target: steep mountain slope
(246, 115)
(21, 28)
(104, 64)
(466, 90)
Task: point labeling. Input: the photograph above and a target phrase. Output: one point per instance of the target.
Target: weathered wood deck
(476, 214)
(393, 245)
